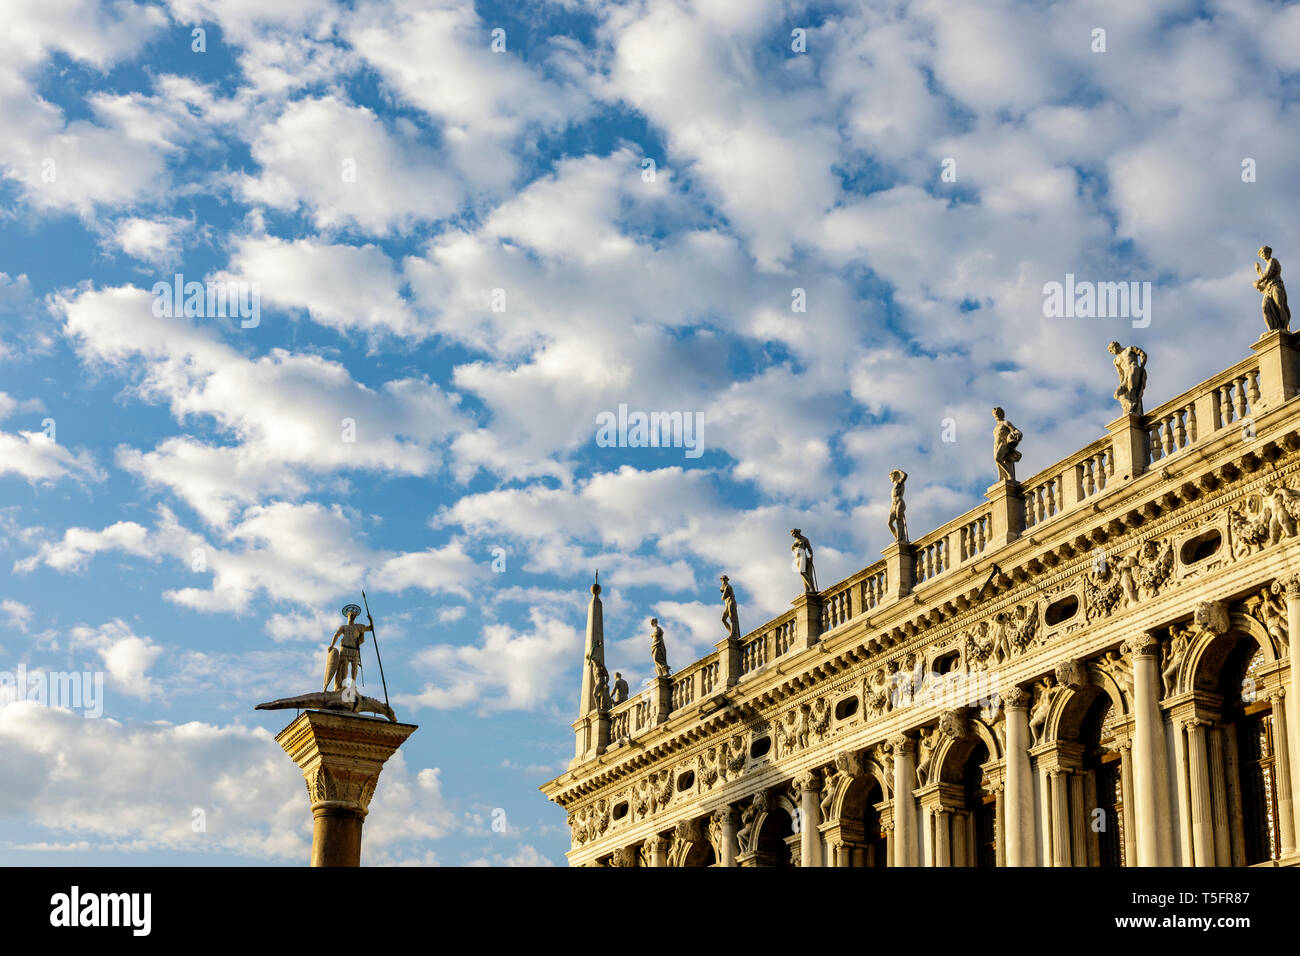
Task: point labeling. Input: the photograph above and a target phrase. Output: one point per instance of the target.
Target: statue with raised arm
(1277, 315)
(730, 617)
(802, 550)
(897, 509)
(1131, 363)
(1006, 445)
(658, 649)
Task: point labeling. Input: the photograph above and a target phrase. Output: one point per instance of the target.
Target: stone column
(1292, 586)
(1219, 799)
(1000, 824)
(658, 850)
(1150, 764)
(905, 834)
(340, 756)
(1020, 781)
(1078, 832)
(726, 821)
(1199, 787)
(1060, 819)
(942, 837)
(809, 786)
(1126, 789)
(1282, 756)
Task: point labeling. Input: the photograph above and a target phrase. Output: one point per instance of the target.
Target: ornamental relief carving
(1008, 634)
(1264, 518)
(1268, 607)
(1115, 584)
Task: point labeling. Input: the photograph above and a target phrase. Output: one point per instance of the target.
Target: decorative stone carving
(746, 837)
(1174, 654)
(707, 771)
(662, 792)
(1131, 363)
(1006, 445)
(802, 550)
(820, 717)
(735, 762)
(952, 724)
(1016, 697)
(831, 778)
(1264, 518)
(730, 615)
(875, 695)
(924, 755)
(658, 649)
(1045, 694)
(623, 856)
(1269, 609)
(1277, 314)
(897, 509)
(1120, 670)
(1111, 585)
(1072, 674)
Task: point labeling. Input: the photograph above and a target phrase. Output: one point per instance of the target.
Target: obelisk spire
(594, 650)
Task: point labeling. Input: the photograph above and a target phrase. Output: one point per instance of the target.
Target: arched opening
(981, 809)
(1248, 721)
(859, 819)
(1104, 777)
(700, 854)
(773, 847)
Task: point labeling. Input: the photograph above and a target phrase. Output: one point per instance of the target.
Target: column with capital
(1019, 800)
(1292, 588)
(1198, 774)
(1150, 761)
(1060, 818)
(725, 821)
(904, 748)
(1282, 756)
(658, 850)
(809, 785)
(1126, 794)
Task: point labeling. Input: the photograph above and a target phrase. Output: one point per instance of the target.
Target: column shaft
(1199, 785)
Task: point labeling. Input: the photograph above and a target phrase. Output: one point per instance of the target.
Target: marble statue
(658, 649)
(600, 684)
(1269, 281)
(897, 509)
(347, 658)
(1131, 363)
(1006, 443)
(620, 688)
(803, 561)
(730, 617)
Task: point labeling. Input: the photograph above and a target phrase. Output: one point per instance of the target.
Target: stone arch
(950, 755)
(1110, 684)
(1069, 709)
(855, 797)
(1209, 652)
(774, 825)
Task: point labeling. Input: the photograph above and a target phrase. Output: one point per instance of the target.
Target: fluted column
(1292, 588)
(1199, 785)
(1219, 799)
(1060, 819)
(1150, 764)
(1126, 791)
(1000, 824)
(726, 820)
(1285, 798)
(809, 786)
(942, 837)
(1019, 801)
(904, 748)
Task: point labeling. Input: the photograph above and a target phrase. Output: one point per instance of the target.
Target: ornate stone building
(1091, 668)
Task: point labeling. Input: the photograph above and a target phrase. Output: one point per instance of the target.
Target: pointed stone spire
(594, 650)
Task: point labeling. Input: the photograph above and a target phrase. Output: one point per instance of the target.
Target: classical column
(1000, 824)
(658, 850)
(1219, 799)
(1184, 800)
(1292, 587)
(1060, 819)
(1199, 785)
(1126, 791)
(1078, 831)
(340, 757)
(1019, 803)
(809, 786)
(904, 748)
(942, 837)
(1150, 765)
(726, 821)
(1282, 756)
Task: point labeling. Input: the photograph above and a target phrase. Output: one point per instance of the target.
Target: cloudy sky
(472, 228)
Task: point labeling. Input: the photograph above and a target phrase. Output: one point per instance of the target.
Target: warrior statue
(803, 561)
(730, 617)
(1276, 313)
(346, 660)
(1006, 442)
(658, 649)
(1131, 363)
(340, 662)
(897, 509)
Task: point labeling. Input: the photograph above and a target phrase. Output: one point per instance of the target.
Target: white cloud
(17, 613)
(126, 656)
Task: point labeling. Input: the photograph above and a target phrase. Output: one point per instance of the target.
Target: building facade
(1089, 669)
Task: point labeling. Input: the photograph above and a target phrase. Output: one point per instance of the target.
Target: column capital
(1145, 644)
(1017, 698)
(809, 780)
(340, 756)
(658, 843)
(725, 817)
(902, 745)
(1291, 586)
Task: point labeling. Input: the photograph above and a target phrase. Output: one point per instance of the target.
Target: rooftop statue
(730, 617)
(1131, 363)
(803, 561)
(341, 661)
(658, 649)
(897, 509)
(1276, 313)
(1006, 442)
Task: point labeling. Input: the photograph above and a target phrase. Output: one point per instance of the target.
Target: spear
(374, 637)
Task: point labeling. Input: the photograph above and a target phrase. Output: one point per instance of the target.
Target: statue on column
(1277, 316)
(897, 509)
(1006, 445)
(730, 617)
(658, 649)
(802, 550)
(340, 662)
(1131, 363)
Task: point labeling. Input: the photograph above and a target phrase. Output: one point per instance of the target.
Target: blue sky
(384, 177)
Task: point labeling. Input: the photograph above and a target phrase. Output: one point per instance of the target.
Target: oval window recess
(846, 708)
(1201, 547)
(620, 810)
(760, 747)
(945, 663)
(686, 781)
(1061, 610)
